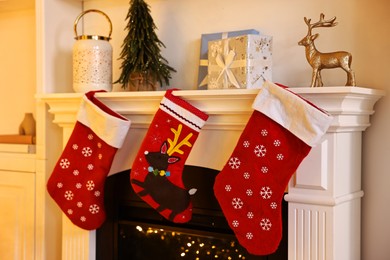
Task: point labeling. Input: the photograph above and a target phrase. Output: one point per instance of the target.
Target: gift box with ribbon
(240, 62)
(203, 61)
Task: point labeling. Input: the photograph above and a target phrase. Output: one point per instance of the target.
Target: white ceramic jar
(92, 60)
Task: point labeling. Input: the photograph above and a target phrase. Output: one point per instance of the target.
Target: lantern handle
(90, 11)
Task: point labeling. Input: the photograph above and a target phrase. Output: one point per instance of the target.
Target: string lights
(190, 246)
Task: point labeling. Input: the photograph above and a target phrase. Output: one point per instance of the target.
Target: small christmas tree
(142, 64)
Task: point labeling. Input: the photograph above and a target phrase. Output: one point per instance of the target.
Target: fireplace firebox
(133, 230)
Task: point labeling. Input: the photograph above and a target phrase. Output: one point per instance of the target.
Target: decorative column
(324, 196)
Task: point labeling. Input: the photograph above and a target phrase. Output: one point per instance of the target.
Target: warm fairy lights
(189, 246)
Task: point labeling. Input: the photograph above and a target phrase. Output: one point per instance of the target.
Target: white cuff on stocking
(298, 116)
(111, 129)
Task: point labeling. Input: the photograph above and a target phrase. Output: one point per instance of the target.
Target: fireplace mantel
(324, 195)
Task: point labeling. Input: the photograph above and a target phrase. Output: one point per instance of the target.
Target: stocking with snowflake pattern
(278, 136)
(156, 174)
(77, 181)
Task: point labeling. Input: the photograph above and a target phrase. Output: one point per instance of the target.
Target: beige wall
(17, 68)
(180, 24)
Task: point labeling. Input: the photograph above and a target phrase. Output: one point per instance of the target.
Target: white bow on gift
(225, 63)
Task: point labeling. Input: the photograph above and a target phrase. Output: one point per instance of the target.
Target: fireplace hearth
(133, 230)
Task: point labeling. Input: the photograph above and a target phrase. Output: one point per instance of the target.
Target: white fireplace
(324, 195)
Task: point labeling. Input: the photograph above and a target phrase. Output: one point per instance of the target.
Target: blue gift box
(203, 60)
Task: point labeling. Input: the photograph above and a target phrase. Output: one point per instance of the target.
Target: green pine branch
(141, 48)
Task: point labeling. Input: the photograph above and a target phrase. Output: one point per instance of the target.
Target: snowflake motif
(94, 209)
(78, 185)
(70, 212)
(87, 152)
(234, 163)
(246, 175)
(249, 235)
(83, 219)
(156, 139)
(68, 195)
(250, 215)
(79, 204)
(90, 167)
(100, 156)
(60, 185)
(264, 132)
(90, 185)
(266, 192)
(228, 187)
(249, 192)
(277, 143)
(99, 145)
(273, 205)
(260, 150)
(264, 169)
(90, 136)
(246, 144)
(76, 172)
(75, 146)
(235, 223)
(279, 156)
(237, 203)
(97, 193)
(265, 224)
(64, 163)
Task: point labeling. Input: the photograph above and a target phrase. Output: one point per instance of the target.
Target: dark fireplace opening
(135, 231)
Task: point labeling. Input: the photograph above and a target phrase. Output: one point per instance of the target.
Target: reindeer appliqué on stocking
(156, 183)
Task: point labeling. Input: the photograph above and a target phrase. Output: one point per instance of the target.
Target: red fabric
(77, 181)
(156, 176)
(251, 185)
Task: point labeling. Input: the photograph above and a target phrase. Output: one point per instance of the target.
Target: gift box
(240, 62)
(202, 73)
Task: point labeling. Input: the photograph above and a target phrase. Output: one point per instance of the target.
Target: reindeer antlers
(173, 146)
(321, 23)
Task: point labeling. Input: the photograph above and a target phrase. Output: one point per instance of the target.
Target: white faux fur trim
(110, 129)
(304, 120)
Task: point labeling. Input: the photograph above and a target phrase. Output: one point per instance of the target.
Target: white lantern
(92, 59)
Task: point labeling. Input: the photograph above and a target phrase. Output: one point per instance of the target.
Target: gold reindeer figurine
(319, 60)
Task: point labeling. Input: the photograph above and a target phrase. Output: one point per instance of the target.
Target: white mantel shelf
(325, 194)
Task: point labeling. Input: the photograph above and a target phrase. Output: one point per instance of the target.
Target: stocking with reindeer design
(156, 174)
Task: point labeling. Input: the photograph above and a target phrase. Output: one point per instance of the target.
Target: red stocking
(77, 181)
(156, 175)
(250, 187)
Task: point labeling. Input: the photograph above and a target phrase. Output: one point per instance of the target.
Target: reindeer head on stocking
(160, 160)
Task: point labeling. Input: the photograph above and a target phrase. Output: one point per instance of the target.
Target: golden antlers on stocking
(174, 146)
(318, 60)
